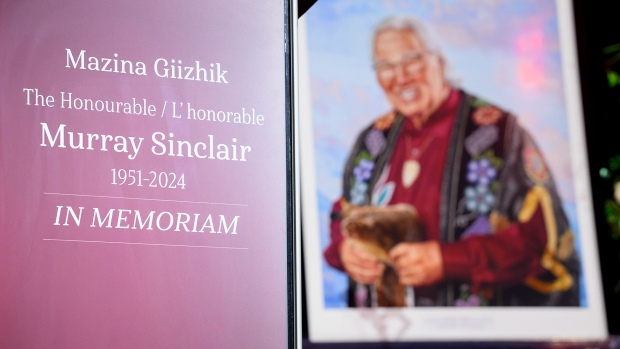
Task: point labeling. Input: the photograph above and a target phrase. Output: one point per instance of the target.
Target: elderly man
(494, 230)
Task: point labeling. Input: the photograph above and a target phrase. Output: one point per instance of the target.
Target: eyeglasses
(412, 63)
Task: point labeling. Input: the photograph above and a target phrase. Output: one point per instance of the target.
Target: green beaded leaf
(490, 155)
(477, 103)
(612, 212)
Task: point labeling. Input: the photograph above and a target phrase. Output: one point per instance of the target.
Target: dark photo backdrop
(598, 35)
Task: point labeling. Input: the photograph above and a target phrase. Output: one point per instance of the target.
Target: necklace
(411, 166)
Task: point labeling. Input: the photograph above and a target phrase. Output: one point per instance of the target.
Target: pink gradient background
(86, 295)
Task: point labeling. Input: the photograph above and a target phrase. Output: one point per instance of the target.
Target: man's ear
(442, 63)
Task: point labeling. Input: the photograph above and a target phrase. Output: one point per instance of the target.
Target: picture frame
(520, 55)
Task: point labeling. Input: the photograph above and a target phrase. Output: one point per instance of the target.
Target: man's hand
(418, 263)
(361, 266)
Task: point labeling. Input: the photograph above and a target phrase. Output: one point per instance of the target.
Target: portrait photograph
(445, 188)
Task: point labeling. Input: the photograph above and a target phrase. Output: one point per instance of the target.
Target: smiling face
(411, 76)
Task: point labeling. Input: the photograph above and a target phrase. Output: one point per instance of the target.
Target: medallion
(411, 171)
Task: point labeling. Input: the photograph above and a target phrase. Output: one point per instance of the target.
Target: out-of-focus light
(603, 172)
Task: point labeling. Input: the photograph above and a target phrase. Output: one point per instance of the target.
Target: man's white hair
(410, 24)
(426, 37)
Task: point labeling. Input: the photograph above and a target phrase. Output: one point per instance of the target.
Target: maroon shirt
(505, 257)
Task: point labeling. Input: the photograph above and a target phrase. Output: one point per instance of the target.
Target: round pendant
(411, 171)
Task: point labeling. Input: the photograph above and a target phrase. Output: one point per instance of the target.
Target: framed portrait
(445, 180)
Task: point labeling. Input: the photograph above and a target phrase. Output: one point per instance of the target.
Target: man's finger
(411, 257)
(354, 261)
(361, 262)
(361, 255)
(409, 250)
(365, 275)
(398, 251)
(412, 276)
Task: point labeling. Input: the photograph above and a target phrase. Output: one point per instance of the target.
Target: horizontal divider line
(147, 244)
(146, 199)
